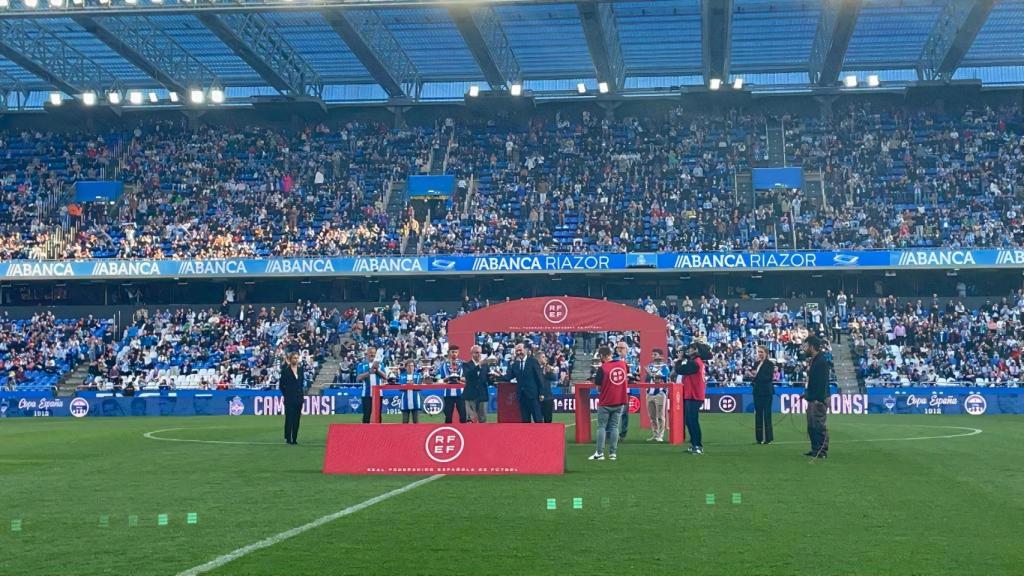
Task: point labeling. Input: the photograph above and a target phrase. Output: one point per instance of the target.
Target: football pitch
(924, 495)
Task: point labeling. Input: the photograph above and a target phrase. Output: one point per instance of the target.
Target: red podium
(676, 433)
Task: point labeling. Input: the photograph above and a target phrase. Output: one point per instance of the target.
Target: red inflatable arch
(563, 314)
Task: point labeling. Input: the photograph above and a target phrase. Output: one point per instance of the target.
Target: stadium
(531, 286)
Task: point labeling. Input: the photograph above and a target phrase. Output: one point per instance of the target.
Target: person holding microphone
(763, 377)
(691, 368)
(369, 373)
(292, 388)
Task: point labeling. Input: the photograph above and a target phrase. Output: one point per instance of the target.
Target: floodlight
(517, 89)
(89, 98)
(217, 96)
(474, 91)
(581, 88)
(197, 96)
(602, 87)
(56, 99)
(715, 83)
(850, 81)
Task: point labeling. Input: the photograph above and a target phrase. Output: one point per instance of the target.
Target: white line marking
(151, 436)
(971, 432)
(277, 538)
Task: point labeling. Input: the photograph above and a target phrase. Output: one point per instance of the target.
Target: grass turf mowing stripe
(268, 542)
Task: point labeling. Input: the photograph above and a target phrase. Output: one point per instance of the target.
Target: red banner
(418, 449)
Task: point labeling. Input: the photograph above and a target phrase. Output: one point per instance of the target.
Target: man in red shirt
(691, 368)
(612, 379)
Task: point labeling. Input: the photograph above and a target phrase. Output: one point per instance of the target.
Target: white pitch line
(151, 436)
(972, 432)
(277, 538)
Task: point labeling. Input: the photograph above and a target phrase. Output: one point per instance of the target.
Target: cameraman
(691, 368)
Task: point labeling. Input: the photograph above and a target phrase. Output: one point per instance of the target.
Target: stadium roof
(339, 51)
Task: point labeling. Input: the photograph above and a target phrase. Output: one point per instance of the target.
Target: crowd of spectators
(36, 352)
(932, 342)
(890, 178)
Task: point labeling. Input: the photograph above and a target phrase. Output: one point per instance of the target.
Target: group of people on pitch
(613, 376)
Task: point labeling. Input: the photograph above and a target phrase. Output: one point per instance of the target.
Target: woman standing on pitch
(411, 401)
(763, 376)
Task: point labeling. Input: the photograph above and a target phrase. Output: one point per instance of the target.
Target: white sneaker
(613, 457)
(699, 450)
(652, 439)
(596, 456)
(659, 439)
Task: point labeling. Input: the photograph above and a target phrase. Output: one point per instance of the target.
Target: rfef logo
(433, 405)
(444, 444)
(79, 407)
(975, 405)
(727, 404)
(634, 404)
(617, 376)
(555, 311)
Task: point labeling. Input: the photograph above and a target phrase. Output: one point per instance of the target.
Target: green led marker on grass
(737, 498)
(552, 504)
(104, 521)
(710, 499)
(161, 520)
(577, 503)
(133, 521)
(15, 525)
(192, 518)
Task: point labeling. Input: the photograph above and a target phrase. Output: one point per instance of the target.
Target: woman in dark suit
(763, 376)
(292, 386)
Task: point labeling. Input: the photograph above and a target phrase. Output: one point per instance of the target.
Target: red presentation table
(418, 449)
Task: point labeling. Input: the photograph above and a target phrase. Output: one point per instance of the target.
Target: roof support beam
(484, 35)
(955, 30)
(262, 46)
(370, 40)
(602, 35)
(150, 49)
(716, 38)
(835, 28)
(45, 54)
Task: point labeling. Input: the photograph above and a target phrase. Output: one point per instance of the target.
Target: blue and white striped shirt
(411, 398)
(373, 379)
(660, 369)
(446, 371)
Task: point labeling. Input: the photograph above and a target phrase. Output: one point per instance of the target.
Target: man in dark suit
(478, 378)
(292, 386)
(529, 377)
(816, 395)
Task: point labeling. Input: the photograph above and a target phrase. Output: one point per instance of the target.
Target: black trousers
(292, 414)
(547, 409)
(817, 427)
(450, 404)
(691, 415)
(763, 419)
(530, 410)
(367, 408)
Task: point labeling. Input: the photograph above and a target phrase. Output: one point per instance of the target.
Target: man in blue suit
(529, 378)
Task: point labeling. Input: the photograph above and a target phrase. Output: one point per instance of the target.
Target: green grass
(930, 507)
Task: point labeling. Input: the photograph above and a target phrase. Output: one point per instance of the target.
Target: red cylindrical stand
(375, 413)
(676, 434)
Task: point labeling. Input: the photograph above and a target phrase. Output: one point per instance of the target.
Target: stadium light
(581, 88)
(174, 97)
(474, 91)
(715, 83)
(5, 3)
(153, 98)
(873, 81)
(602, 87)
(517, 90)
(217, 96)
(197, 96)
(89, 98)
(850, 81)
(56, 3)
(135, 97)
(157, 1)
(114, 97)
(131, 2)
(737, 84)
(56, 99)
(105, 2)
(78, 2)
(31, 3)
